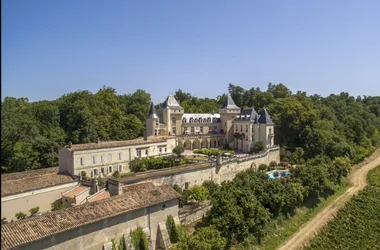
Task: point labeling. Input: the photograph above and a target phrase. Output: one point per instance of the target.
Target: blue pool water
(271, 175)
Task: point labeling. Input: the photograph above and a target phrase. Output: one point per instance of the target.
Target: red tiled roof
(32, 179)
(77, 190)
(32, 229)
(99, 196)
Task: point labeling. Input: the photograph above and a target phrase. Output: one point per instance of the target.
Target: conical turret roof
(171, 103)
(229, 103)
(152, 112)
(265, 117)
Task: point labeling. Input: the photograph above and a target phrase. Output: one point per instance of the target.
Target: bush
(178, 150)
(116, 174)
(211, 186)
(139, 239)
(20, 216)
(83, 174)
(57, 205)
(263, 167)
(34, 210)
(4, 221)
(259, 147)
(198, 193)
(172, 229)
(122, 245)
(101, 181)
(273, 164)
(285, 164)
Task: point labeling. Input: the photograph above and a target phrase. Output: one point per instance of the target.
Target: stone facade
(186, 177)
(239, 129)
(104, 158)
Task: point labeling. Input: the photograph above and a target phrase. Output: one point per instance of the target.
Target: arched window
(184, 120)
(209, 119)
(213, 119)
(204, 120)
(191, 120)
(195, 120)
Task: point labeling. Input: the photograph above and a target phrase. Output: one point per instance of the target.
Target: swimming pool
(272, 176)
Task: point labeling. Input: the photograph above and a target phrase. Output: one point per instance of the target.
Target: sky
(51, 48)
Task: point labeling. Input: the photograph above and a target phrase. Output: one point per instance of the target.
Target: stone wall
(22, 202)
(93, 236)
(190, 176)
(194, 214)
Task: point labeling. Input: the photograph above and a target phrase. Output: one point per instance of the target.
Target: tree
(20, 216)
(122, 244)
(139, 239)
(263, 167)
(34, 210)
(198, 193)
(258, 147)
(178, 150)
(57, 205)
(211, 186)
(172, 229)
(297, 156)
(116, 174)
(206, 238)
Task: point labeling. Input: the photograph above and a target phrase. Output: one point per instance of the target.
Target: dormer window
(191, 120)
(184, 120)
(209, 119)
(204, 120)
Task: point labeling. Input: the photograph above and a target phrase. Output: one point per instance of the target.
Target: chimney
(70, 144)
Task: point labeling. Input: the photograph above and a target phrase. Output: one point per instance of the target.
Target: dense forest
(325, 127)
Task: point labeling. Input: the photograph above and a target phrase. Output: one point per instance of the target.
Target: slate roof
(171, 103)
(248, 115)
(265, 117)
(24, 231)
(111, 144)
(33, 179)
(229, 103)
(152, 112)
(204, 117)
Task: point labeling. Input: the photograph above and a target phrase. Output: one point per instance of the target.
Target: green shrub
(210, 152)
(20, 216)
(198, 193)
(263, 167)
(211, 186)
(34, 210)
(83, 174)
(4, 221)
(259, 147)
(57, 205)
(116, 174)
(122, 245)
(172, 229)
(139, 239)
(178, 150)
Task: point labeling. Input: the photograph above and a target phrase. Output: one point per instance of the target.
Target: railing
(251, 157)
(197, 136)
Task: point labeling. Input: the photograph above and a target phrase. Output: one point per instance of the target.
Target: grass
(284, 228)
(197, 158)
(126, 174)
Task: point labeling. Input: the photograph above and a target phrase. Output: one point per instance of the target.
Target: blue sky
(50, 48)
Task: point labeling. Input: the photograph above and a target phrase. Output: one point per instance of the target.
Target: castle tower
(152, 122)
(228, 112)
(172, 114)
(266, 128)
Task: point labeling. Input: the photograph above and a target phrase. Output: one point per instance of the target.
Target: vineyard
(357, 226)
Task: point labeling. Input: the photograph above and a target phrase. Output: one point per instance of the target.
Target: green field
(357, 225)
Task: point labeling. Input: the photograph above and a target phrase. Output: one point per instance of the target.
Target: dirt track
(358, 181)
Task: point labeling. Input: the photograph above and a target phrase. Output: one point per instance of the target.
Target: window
(110, 169)
(165, 150)
(270, 131)
(102, 171)
(173, 121)
(120, 168)
(94, 159)
(138, 153)
(174, 129)
(81, 161)
(146, 152)
(102, 158)
(160, 149)
(184, 120)
(241, 128)
(95, 171)
(201, 129)
(191, 120)
(192, 130)
(209, 119)
(120, 156)
(109, 157)
(246, 128)
(252, 129)
(237, 128)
